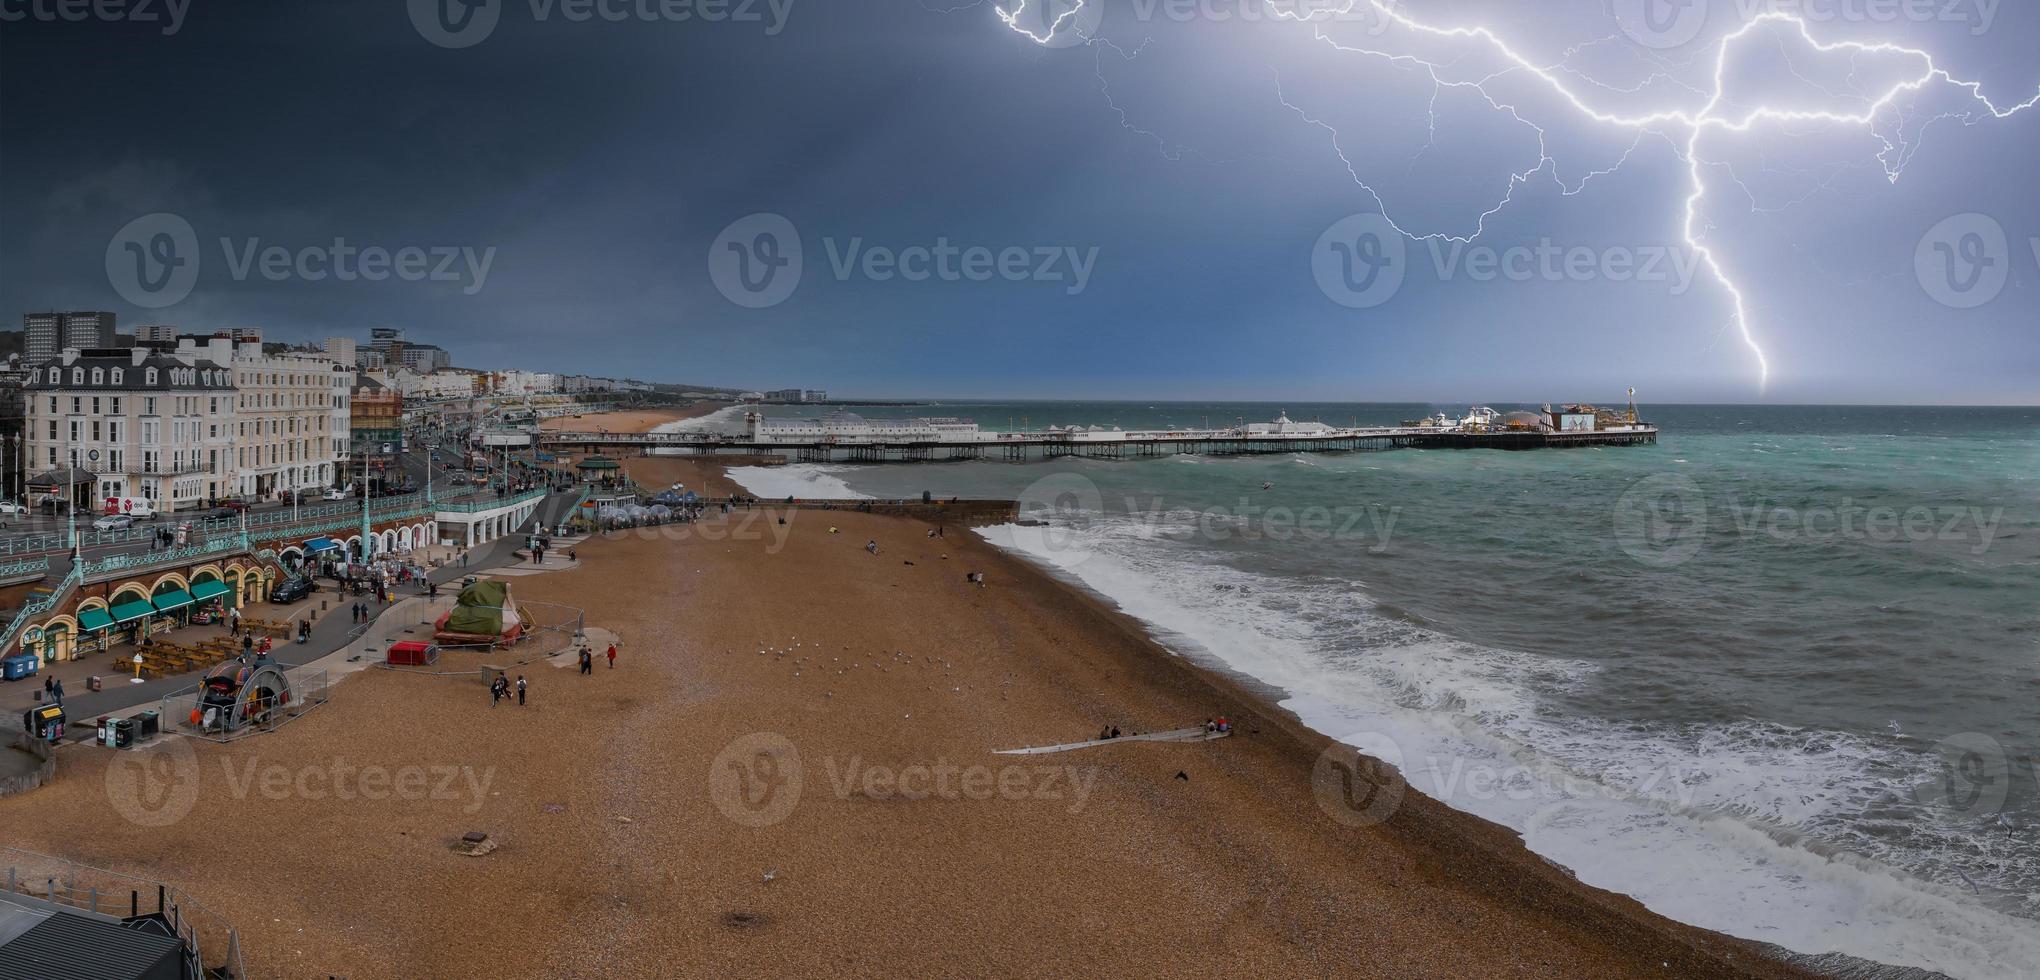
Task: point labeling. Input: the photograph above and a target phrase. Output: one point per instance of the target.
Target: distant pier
(1090, 444)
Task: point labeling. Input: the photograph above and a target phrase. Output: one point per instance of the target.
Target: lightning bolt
(1715, 115)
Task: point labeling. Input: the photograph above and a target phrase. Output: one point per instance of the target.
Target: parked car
(291, 590)
(339, 493)
(13, 508)
(236, 506)
(113, 522)
(222, 514)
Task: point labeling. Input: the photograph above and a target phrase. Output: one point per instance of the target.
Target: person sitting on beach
(1210, 726)
(871, 546)
(1223, 725)
(1115, 732)
(1105, 733)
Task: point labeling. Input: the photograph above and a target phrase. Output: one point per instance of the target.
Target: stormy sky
(1169, 200)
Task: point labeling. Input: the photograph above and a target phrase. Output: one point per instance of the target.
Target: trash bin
(148, 725)
(93, 683)
(102, 730)
(121, 733)
(19, 666)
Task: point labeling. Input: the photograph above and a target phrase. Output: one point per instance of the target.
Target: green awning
(92, 620)
(173, 599)
(128, 612)
(201, 591)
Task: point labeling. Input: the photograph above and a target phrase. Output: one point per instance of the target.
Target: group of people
(588, 659)
(499, 689)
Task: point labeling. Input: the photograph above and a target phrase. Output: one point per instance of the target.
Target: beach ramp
(1197, 734)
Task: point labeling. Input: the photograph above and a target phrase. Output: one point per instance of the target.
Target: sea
(1777, 675)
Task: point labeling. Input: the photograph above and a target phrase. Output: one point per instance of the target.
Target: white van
(135, 507)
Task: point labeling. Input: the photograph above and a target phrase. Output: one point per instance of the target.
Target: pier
(1020, 447)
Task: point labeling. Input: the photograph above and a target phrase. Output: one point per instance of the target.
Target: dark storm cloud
(596, 161)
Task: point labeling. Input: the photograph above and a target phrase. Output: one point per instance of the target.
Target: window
(74, 430)
(113, 406)
(95, 402)
(95, 430)
(117, 375)
(53, 398)
(77, 376)
(150, 460)
(98, 377)
(149, 404)
(149, 377)
(113, 460)
(77, 405)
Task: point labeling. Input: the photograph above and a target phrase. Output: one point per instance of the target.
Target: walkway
(330, 634)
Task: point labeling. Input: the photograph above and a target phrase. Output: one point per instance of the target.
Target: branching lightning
(1682, 128)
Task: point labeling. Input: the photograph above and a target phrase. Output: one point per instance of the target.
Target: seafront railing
(40, 605)
(477, 506)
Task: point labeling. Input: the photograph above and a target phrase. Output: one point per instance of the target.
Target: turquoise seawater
(1777, 675)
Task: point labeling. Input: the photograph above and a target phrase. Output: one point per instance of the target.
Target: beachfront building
(376, 416)
(132, 422)
(437, 386)
(285, 438)
(517, 382)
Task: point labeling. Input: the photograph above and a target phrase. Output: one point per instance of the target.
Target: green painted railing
(121, 564)
(40, 605)
(38, 567)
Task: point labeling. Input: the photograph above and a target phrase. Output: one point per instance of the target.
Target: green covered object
(484, 609)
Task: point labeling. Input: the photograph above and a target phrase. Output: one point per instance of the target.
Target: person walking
(612, 656)
(496, 691)
(57, 692)
(520, 690)
(587, 661)
(234, 622)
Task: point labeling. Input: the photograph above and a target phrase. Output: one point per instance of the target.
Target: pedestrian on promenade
(587, 661)
(497, 688)
(234, 622)
(49, 689)
(57, 692)
(612, 656)
(520, 690)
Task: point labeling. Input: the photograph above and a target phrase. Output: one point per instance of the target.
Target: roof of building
(56, 375)
(48, 942)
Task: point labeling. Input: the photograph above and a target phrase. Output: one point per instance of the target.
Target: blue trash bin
(19, 666)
